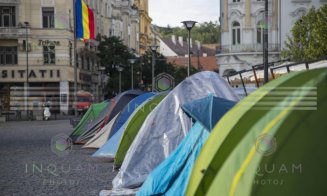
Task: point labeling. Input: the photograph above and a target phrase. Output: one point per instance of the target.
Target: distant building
(242, 24)
(175, 49)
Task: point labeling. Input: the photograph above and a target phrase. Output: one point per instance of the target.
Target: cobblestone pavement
(36, 159)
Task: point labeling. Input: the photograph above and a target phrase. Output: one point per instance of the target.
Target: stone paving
(36, 159)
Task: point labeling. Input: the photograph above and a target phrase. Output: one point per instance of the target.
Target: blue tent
(128, 110)
(109, 149)
(171, 176)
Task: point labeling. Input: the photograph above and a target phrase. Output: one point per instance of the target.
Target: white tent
(101, 137)
(165, 127)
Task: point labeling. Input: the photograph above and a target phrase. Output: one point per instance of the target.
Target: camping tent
(110, 147)
(133, 126)
(273, 142)
(171, 176)
(92, 113)
(128, 110)
(116, 105)
(165, 127)
(102, 136)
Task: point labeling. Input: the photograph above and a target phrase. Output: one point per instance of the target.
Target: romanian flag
(84, 21)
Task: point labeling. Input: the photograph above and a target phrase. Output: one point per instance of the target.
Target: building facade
(145, 25)
(242, 25)
(37, 49)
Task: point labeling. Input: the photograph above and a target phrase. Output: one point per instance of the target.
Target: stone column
(274, 14)
(247, 14)
(225, 28)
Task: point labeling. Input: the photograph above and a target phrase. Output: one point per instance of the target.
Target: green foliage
(206, 33)
(112, 52)
(309, 37)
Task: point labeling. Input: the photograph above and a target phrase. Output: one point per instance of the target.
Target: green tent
(91, 114)
(134, 126)
(271, 143)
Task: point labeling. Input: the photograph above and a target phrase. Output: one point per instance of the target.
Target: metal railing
(272, 67)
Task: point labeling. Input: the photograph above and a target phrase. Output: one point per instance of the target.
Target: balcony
(248, 48)
(10, 32)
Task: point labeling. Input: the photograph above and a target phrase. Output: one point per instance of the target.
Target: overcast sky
(172, 12)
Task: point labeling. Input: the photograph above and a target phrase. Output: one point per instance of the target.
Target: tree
(206, 33)
(309, 37)
(112, 52)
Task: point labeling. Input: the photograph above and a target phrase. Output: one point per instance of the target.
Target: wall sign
(42, 73)
(49, 43)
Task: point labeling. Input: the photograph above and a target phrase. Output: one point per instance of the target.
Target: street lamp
(153, 49)
(265, 45)
(100, 81)
(120, 69)
(27, 81)
(189, 24)
(132, 61)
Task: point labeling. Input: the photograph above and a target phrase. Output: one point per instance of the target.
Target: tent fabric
(165, 127)
(258, 133)
(109, 149)
(208, 110)
(168, 177)
(100, 138)
(134, 125)
(171, 176)
(116, 105)
(121, 100)
(128, 110)
(91, 114)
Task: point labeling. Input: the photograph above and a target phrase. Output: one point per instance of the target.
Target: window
(260, 30)
(236, 33)
(8, 55)
(48, 17)
(49, 55)
(7, 16)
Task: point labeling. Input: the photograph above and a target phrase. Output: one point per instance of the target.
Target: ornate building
(242, 24)
(145, 24)
(46, 27)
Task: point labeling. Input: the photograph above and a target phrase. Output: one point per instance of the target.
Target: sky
(172, 12)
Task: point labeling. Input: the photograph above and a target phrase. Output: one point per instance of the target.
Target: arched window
(236, 33)
(260, 30)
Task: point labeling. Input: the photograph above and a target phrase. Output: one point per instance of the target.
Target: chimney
(180, 40)
(173, 39)
(198, 44)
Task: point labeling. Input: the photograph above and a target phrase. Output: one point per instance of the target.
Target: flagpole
(75, 59)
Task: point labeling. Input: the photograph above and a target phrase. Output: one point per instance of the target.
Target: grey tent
(165, 127)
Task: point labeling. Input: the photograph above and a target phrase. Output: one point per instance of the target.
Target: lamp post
(27, 81)
(132, 61)
(265, 45)
(100, 92)
(189, 24)
(153, 49)
(120, 69)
